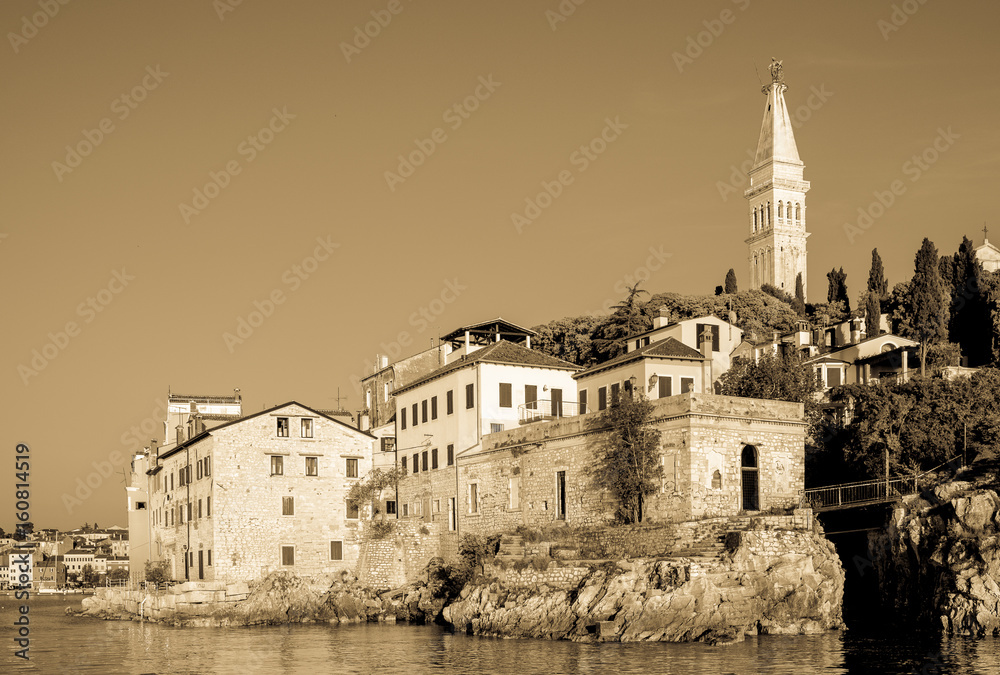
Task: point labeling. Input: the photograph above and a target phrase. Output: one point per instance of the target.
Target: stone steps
(511, 547)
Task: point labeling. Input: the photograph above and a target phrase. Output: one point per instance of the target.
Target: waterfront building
(488, 384)
(257, 494)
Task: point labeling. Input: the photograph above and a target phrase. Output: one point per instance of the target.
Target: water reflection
(63, 644)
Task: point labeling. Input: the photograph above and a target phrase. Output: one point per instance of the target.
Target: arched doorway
(749, 473)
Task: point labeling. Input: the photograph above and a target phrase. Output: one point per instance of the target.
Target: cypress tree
(876, 278)
(927, 298)
(731, 281)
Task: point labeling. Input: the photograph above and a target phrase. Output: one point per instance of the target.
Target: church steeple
(776, 247)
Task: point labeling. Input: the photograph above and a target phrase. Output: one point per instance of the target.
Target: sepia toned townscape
(333, 417)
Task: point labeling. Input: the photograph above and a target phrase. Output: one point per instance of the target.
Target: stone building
(988, 255)
(483, 389)
(721, 456)
(261, 493)
(776, 247)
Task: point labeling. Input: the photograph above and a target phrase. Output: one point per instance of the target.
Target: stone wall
(398, 557)
(193, 598)
(702, 439)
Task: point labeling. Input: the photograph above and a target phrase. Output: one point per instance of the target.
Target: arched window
(798, 211)
(754, 227)
(769, 214)
(781, 210)
(717, 480)
(750, 475)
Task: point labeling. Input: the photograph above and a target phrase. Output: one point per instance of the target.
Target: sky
(205, 195)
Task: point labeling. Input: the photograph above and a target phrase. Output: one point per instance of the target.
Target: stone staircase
(511, 547)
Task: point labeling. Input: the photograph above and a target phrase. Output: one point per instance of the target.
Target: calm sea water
(61, 644)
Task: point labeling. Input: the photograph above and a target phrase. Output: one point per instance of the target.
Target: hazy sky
(296, 116)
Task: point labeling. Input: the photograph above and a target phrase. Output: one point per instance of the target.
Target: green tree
(368, 492)
(837, 288)
(872, 309)
(876, 278)
(118, 574)
(156, 571)
(627, 459)
(731, 281)
(611, 336)
(568, 339)
(89, 575)
(928, 309)
(970, 324)
(800, 296)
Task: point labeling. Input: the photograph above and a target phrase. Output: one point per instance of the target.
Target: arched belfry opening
(750, 474)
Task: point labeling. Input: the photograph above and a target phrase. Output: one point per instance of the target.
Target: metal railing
(546, 410)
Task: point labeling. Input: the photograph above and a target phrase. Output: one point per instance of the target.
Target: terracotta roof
(667, 348)
(200, 398)
(220, 418)
(501, 352)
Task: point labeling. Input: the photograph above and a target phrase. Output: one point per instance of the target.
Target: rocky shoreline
(761, 580)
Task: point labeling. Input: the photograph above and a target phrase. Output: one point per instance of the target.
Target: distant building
(50, 573)
(988, 255)
(257, 494)
(77, 559)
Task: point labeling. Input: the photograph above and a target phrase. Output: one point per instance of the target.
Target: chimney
(706, 372)
(154, 447)
(384, 361)
(364, 422)
(180, 433)
(663, 319)
(236, 393)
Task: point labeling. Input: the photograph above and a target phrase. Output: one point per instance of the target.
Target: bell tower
(776, 247)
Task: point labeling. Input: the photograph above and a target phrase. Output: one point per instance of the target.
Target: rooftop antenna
(757, 71)
(338, 397)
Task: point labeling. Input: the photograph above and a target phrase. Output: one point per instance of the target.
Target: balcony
(544, 410)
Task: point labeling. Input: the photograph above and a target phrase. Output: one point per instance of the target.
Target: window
(833, 377)
(209, 563)
(450, 402)
(336, 550)
(402, 418)
(277, 465)
(514, 491)
(415, 414)
(208, 466)
(470, 396)
(307, 427)
(416, 462)
(451, 455)
(530, 396)
(505, 395)
(180, 477)
(616, 393)
(701, 328)
(665, 386)
(368, 399)
(423, 411)
(473, 498)
(288, 555)
(385, 391)
(199, 509)
(602, 398)
(190, 509)
(687, 384)
(717, 480)
(352, 468)
(199, 470)
(390, 507)
(434, 458)
(352, 511)
(208, 506)
(494, 427)
(583, 401)
(423, 461)
(434, 407)
(283, 427)
(402, 463)
(406, 510)
(388, 444)
(288, 506)
(312, 466)
(171, 480)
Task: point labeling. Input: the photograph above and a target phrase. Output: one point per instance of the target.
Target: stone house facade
(264, 493)
(721, 455)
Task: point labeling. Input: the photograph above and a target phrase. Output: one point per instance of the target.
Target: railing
(866, 492)
(545, 409)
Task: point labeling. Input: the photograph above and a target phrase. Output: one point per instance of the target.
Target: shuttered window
(505, 395)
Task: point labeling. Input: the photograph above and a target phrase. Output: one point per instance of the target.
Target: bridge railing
(864, 492)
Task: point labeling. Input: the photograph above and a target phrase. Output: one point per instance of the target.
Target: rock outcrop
(767, 581)
(938, 560)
